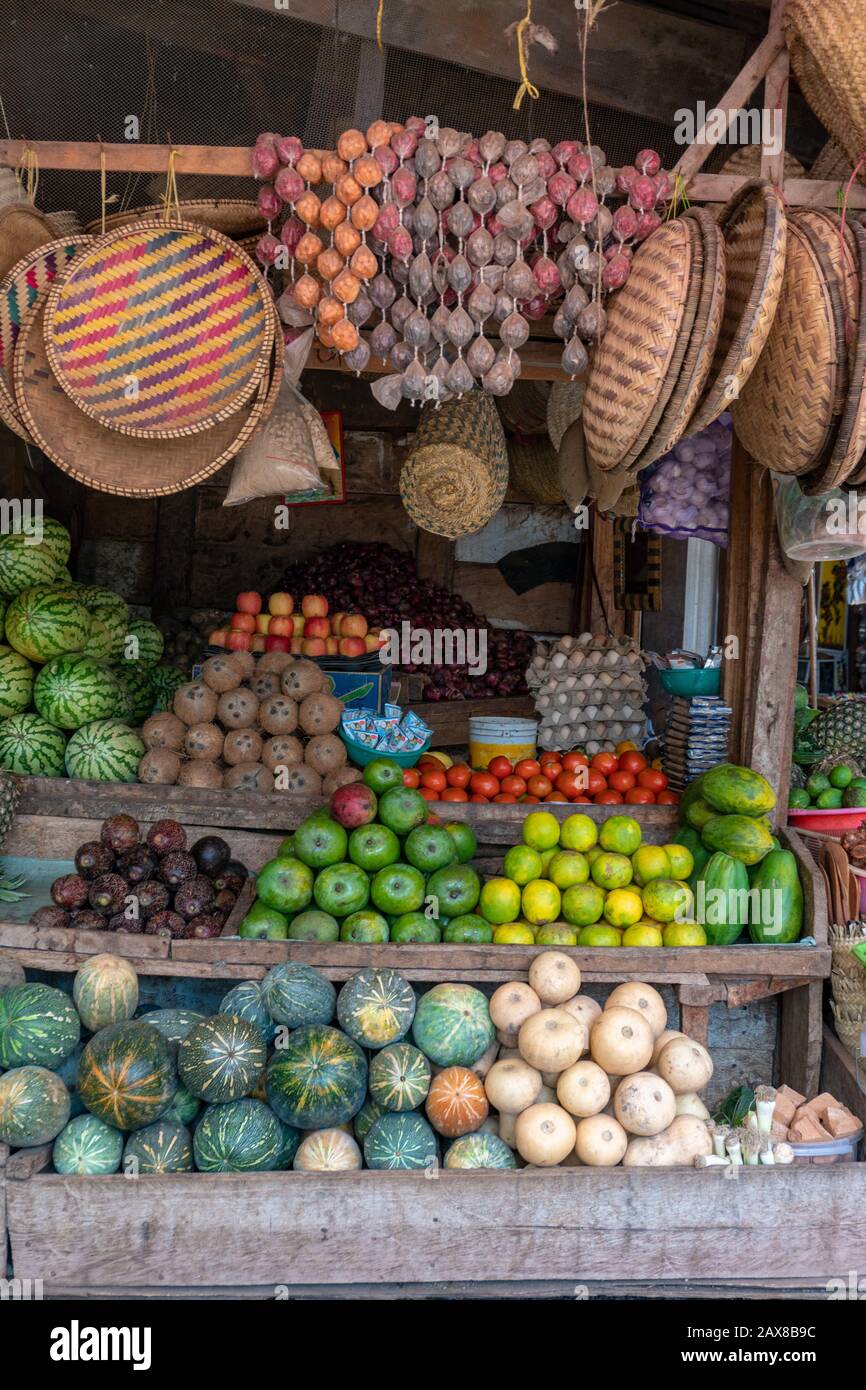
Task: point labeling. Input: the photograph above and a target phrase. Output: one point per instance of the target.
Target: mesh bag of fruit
(685, 494)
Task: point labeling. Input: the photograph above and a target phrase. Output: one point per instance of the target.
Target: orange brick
(793, 1096)
(821, 1103)
(841, 1122)
(806, 1129)
(783, 1111)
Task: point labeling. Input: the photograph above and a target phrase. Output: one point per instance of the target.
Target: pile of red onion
(383, 584)
(452, 245)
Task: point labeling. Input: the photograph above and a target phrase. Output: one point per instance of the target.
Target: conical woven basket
(827, 45)
(533, 466)
(456, 477)
(564, 405)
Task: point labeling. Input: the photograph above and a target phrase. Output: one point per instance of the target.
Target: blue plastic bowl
(696, 680)
(361, 756)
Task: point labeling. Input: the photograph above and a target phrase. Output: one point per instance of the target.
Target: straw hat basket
(827, 46)
(533, 468)
(573, 471)
(11, 188)
(564, 405)
(456, 477)
(23, 228)
(234, 217)
(524, 409)
(746, 161)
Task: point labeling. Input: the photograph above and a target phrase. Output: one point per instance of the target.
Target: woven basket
(23, 228)
(102, 460)
(524, 409)
(850, 1021)
(746, 161)
(66, 223)
(571, 462)
(456, 477)
(827, 46)
(564, 406)
(159, 331)
(533, 469)
(234, 217)
(11, 188)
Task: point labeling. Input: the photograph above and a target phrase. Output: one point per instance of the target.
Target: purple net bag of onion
(685, 494)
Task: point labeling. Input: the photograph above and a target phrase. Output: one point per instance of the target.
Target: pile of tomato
(605, 779)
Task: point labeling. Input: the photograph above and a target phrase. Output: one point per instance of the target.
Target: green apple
(342, 889)
(263, 923)
(285, 884)
(371, 847)
(398, 888)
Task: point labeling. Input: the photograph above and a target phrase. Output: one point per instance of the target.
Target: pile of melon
(250, 725)
(575, 1083)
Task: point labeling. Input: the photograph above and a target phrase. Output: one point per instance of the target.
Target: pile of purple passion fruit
(153, 883)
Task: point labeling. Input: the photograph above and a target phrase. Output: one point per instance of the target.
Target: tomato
(656, 781)
(504, 796)
(433, 779)
(557, 796)
(454, 794)
(632, 761)
(640, 796)
(411, 777)
(551, 767)
(585, 800)
(595, 782)
(476, 797)
(429, 794)
(528, 767)
(608, 798)
(484, 783)
(536, 799)
(539, 786)
(570, 784)
(571, 761)
(621, 781)
(605, 763)
(515, 786)
(500, 767)
(667, 798)
(458, 775)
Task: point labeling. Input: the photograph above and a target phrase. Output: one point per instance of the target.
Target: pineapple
(10, 791)
(841, 729)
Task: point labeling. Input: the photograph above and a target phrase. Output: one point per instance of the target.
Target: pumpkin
(173, 1024)
(399, 1077)
(327, 1151)
(247, 1002)
(105, 990)
(126, 1075)
(367, 1115)
(221, 1058)
(456, 1103)
(243, 1136)
(297, 995)
(479, 1151)
(38, 1026)
(400, 1141)
(34, 1107)
(163, 1147)
(87, 1146)
(376, 1007)
(452, 1025)
(318, 1079)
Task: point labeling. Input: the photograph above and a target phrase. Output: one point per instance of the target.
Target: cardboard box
(358, 687)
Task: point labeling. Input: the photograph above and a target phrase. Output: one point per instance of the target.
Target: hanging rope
(843, 212)
(103, 199)
(29, 166)
(379, 15)
(526, 87)
(170, 195)
(679, 198)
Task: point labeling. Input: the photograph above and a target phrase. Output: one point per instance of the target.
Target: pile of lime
(839, 788)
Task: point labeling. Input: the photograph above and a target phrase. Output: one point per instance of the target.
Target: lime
(830, 799)
(816, 784)
(799, 797)
(583, 904)
(841, 776)
(522, 864)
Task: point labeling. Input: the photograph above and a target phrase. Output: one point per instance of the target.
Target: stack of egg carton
(589, 691)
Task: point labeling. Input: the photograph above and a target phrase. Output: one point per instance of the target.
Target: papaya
(722, 899)
(739, 836)
(776, 910)
(699, 812)
(688, 836)
(693, 790)
(737, 791)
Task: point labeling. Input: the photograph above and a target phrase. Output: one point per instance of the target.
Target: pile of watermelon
(77, 673)
(287, 1074)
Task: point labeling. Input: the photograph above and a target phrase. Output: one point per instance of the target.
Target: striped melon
(87, 1146)
(376, 1007)
(43, 622)
(295, 994)
(104, 750)
(479, 1150)
(137, 693)
(317, 1079)
(163, 1147)
(38, 1026)
(221, 1058)
(23, 564)
(149, 639)
(72, 690)
(399, 1077)
(57, 539)
(29, 745)
(327, 1151)
(246, 1001)
(174, 1024)
(126, 1075)
(16, 682)
(183, 1108)
(290, 1143)
(400, 1141)
(105, 990)
(34, 1107)
(166, 680)
(452, 1025)
(243, 1136)
(100, 643)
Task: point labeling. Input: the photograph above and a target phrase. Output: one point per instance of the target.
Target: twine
(379, 16)
(102, 189)
(170, 188)
(526, 87)
(30, 165)
(678, 193)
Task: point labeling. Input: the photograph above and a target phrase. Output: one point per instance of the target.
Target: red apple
(258, 641)
(249, 602)
(352, 646)
(243, 622)
(314, 606)
(276, 644)
(332, 646)
(281, 627)
(336, 620)
(317, 627)
(282, 604)
(299, 622)
(371, 642)
(239, 641)
(263, 622)
(354, 805)
(313, 646)
(296, 646)
(219, 638)
(354, 625)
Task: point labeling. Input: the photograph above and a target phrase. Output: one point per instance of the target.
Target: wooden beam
(776, 89)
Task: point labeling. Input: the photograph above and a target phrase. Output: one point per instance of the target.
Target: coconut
(320, 714)
(164, 731)
(195, 703)
(245, 662)
(204, 741)
(242, 746)
(278, 714)
(301, 679)
(301, 780)
(282, 751)
(221, 673)
(159, 767)
(275, 661)
(249, 777)
(264, 683)
(341, 778)
(326, 752)
(238, 709)
(200, 774)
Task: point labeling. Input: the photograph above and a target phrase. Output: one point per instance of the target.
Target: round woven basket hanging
(159, 330)
(234, 217)
(456, 477)
(564, 405)
(23, 228)
(534, 469)
(827, 46)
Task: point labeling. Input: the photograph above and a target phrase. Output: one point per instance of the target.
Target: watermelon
(318, 1079)
(400, 1141)
(173, 1024)
(296, 994)
(183, 1108)
(24, 564)
(105, 991)
(150, 641)
(721, 901)
(30, 746)
(16, 682)
(243, 1136)
(737, 791)
(221, 1058)
(126, 1075)
(479, 1150)
(104, 750)
(163, 1147)
(399, 1077)
(43, 622)
(136, 686)
(87, 1146)
(38, 1026)
(100, 643)
(452, 1025)
(739, 836)
(246, 1001)
(34, 1107)
(57, 539)
(376, 1007)
(74, 689)
(366, 1118)
(166, 680)
(776, 909)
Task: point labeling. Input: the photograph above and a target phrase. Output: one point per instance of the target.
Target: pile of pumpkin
(289, 1074)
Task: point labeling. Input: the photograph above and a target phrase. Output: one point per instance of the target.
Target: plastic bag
(284, 456)
(685, 493)
(824, 527)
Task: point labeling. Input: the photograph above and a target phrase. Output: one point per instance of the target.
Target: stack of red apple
(603, 780)
(308, 631)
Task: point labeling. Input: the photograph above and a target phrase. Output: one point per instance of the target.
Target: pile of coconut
(266, 725)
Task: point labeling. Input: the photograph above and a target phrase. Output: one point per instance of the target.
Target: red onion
(642, 193)
(547, 165)
(386, 159)
(615, 272)
(582, 206)
(546, 276)
(580, 167)
(536, 308)
(270, 206)
(289, 184)
(387, 222)
(265, 162)
(416, 124)
(267, 248)
(544, 212)
(664, 186)
(564, 150)
(624, 222)
(648, 162)
(405, 142)
(404, 186)
(400, 244)
(560, 187)
(496, 173)
(292, 231)
(625, 178)
(289, 149)
(647, 223)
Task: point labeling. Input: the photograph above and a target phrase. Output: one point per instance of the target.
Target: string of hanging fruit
(449, 246)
